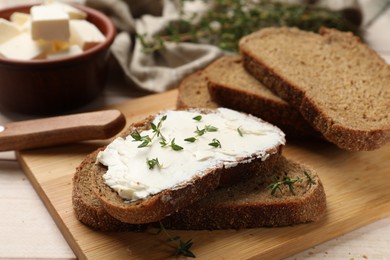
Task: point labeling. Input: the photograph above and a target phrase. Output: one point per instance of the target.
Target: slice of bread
(230, 85)
(340, 86)
(193, 92)
(157, 205)
(245, 205)
(87, 207)
(253, 204)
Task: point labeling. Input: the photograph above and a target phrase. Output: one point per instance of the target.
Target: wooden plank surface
(356, 185)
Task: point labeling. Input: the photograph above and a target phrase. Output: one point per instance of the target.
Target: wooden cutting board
(357, 187)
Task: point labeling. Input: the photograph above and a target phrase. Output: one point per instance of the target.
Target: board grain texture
(356, 185)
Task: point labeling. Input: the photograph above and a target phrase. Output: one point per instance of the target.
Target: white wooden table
(27, 230)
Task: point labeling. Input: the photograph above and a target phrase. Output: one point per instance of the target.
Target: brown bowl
(56, 86)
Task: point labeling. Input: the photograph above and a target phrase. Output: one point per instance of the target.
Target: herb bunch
(229, 20)
(289, 182)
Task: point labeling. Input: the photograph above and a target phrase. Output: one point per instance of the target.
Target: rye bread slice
(87, 207)
(245, 205)
(157, 206)
(251, 203)
(230, 85)
(340, 85)
(193, 92)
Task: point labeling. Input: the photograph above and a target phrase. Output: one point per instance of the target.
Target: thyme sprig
(182, 247)
(146, 139)
(152, 163)
(172, 144)
(200, 132)
(229, 20)
(289, 182)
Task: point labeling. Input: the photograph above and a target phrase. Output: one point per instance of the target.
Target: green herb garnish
(146, 140)
(175, 146)
(240, 132)
(210, 128)
(215, 143)
(182, 248)
(289, 182)
(190, 139)
(311, 181)
(152, 163)
(229, 20)
(197, 118)
(200, 132)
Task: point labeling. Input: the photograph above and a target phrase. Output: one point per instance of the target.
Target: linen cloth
(165, 68)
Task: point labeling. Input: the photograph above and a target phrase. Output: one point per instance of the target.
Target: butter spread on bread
(220, 139)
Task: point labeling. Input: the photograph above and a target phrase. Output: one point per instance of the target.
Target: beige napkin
(165, 68)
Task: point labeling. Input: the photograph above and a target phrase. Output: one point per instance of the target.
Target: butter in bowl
(53, 57)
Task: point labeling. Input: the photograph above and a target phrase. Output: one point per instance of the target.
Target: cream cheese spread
(182, 145)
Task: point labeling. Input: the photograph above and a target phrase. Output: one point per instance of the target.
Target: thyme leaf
(152, 163)
(136, 136)
(182, 247)
(199, 132)
(240, 132)
(190, 139)
(311, 180)
(174, 146)
(215, 143)
(145, 142)
(197, 118)
(210, 128)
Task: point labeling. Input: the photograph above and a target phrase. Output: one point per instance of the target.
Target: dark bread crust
(344, 136)
(158, 206)
(271, 109)
(250, 204)
(87, 207)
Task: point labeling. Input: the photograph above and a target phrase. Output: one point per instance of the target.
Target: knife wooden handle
(61, 130)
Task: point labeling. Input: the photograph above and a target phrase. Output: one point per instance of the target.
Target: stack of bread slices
(216, 161)
(329, 86)
(196, 169)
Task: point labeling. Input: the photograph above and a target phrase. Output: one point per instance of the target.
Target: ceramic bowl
(56, 86)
